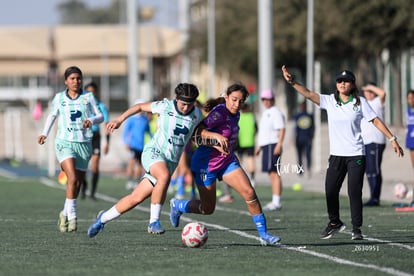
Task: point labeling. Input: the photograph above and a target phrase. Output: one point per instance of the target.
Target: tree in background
(350, 34)
(77, 12)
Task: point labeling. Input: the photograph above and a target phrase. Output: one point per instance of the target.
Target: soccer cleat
(155, 228)
(272, 207)
(357, 234)
(332, 229)
(72, 225)
(63, 223)
(96, 227)
(174, 213)
(267, 239)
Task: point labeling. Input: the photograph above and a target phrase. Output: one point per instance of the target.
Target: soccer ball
(400, 190)
(194, 234)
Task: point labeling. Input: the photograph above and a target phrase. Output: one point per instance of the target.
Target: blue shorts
(203, 177)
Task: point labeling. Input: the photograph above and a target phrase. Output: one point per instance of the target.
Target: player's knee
(249, 194)
(207, 209)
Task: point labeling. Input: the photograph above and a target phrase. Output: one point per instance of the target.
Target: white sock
(276, 200)
(155, 212)
(109, 215)
(70, 208)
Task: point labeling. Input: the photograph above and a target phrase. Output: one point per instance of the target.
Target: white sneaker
(272, 207)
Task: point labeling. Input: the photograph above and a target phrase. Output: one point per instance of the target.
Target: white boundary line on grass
(385, 242)
(301, 249)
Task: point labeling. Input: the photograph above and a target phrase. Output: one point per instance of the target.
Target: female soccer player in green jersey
(77, 112)
(177, 120)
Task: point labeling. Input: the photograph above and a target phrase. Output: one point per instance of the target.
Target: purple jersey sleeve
(221, 121)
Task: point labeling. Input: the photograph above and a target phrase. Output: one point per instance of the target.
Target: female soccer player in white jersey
(345, 110)
(177, 120)
(77, 111)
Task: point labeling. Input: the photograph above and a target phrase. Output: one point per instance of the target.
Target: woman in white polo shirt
(345, 109)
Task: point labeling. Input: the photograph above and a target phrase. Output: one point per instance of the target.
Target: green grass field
(32, 245)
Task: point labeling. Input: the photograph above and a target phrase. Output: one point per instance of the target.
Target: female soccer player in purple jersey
(218, 161)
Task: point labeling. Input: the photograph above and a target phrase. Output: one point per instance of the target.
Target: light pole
(309, 53)
(211, 26)
(133, 79)
(266, 70)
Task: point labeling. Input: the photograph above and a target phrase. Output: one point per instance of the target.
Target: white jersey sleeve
(174, 128)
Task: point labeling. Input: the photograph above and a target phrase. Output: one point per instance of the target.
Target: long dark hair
(211, 103)
(354, 92)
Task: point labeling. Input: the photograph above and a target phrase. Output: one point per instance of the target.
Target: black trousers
(339, 167)
(373, 171)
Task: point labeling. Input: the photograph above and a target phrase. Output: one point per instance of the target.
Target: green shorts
(80, 151)
(152, 155)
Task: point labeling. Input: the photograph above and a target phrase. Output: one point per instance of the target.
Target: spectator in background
(272, 128)
(304, 131)
(133, 136)
(77, 112)
(374, 141)
(96, 143)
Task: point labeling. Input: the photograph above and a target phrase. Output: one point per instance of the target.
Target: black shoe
(357, 234)
(371, 203)
(332, 229)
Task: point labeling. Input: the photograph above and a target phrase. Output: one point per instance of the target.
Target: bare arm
(312, 96)
(212, 139)
(378, 123)
(377, 91)
(278, 148)
(144, 107)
